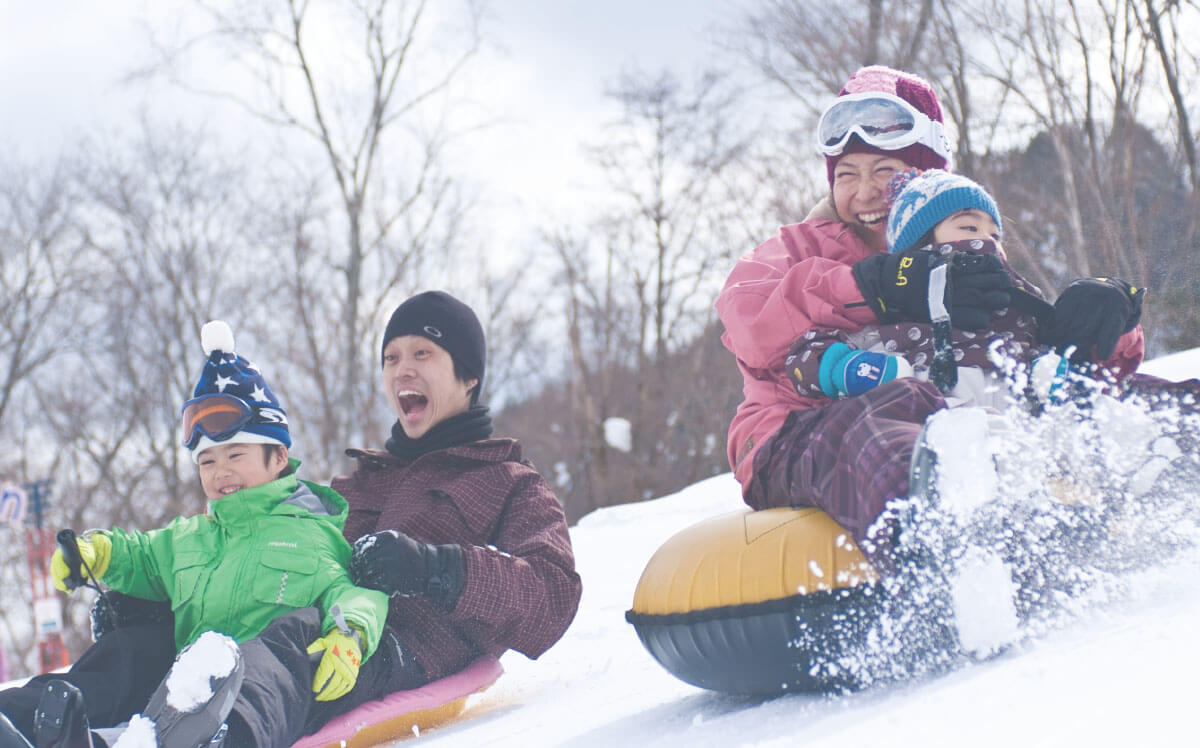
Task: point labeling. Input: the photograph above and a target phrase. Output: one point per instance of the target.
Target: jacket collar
(485, 450)
(285, 495)
(824, 214)
(824, 210)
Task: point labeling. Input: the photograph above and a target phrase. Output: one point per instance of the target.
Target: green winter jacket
(254, 556)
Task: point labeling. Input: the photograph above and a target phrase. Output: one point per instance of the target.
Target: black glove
(114, 610)
(896, 286)
(394, 563)
(979, 286)
(1091, 314)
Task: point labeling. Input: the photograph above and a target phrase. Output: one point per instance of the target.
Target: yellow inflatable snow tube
(744, 602)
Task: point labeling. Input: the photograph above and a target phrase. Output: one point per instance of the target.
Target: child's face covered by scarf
(968, 224)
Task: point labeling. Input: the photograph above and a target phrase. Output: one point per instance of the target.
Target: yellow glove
(94, 549)
(338, 669)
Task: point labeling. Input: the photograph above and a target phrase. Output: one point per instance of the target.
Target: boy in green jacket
(268, 544)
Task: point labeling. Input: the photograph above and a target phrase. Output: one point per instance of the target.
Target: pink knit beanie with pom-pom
(911, 88)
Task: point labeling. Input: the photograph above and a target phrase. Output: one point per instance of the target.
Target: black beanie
(445, 320)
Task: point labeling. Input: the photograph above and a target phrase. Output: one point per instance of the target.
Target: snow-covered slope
(1118, 675)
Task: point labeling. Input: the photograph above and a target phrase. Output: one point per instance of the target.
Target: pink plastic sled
(395, 716)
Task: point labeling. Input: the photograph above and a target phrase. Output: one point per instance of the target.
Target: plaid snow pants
(848, 458)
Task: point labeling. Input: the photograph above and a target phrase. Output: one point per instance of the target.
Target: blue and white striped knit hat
(922, 200)
(227, 372)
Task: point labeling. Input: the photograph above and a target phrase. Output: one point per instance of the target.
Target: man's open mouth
(412, 402)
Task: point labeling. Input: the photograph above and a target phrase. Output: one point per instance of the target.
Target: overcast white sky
(61, 62)
(558, 57)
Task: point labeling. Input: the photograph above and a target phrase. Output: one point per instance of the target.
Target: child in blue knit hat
(937, 207)
(945, 211)
(269, 548)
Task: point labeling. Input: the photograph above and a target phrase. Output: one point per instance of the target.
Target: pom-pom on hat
(920, 201)
(913, 89)
(225, 372)
(438, 316)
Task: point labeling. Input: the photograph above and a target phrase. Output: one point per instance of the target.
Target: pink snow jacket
(521, 589)
(797, 280)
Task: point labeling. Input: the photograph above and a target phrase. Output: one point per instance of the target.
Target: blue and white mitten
(847, 372)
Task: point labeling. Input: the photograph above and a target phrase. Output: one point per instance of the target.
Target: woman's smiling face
(860, 183)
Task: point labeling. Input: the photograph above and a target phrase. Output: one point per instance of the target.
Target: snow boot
(953, 485)
(61, 719)
(190, 706)
(952, 464)
(10, 736)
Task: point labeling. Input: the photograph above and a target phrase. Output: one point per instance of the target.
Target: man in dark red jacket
(506, 579)
(466, 538)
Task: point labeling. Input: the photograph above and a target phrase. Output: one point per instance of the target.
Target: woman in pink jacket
(851, 456)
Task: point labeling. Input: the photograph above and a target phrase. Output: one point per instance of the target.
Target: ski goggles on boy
(881, 120)
(216, 416)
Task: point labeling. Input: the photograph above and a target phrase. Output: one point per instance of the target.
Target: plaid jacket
(521, 589)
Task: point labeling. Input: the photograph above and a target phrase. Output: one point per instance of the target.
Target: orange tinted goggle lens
(216, 416)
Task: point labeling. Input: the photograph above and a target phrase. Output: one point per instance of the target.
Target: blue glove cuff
(831, 360)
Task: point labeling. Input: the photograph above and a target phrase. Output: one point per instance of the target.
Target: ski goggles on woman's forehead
(881, 120)
(216, 416)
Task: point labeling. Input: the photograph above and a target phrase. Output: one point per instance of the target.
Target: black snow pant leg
(276, 695)
(116, 675)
